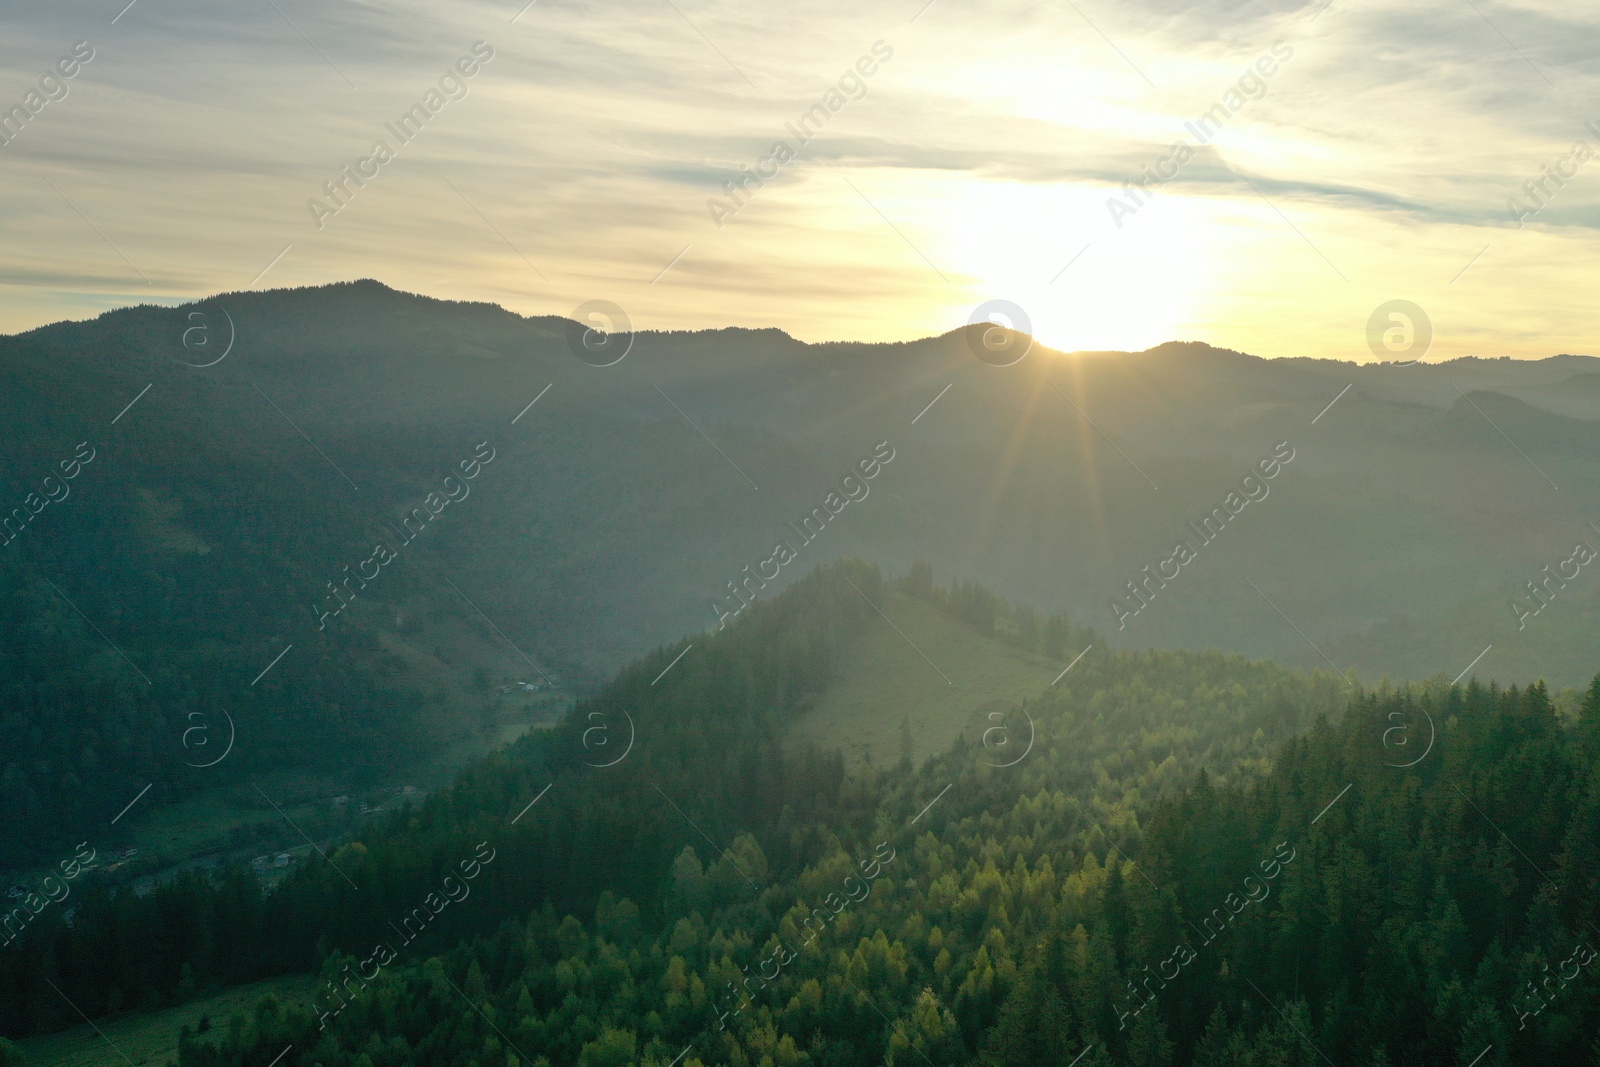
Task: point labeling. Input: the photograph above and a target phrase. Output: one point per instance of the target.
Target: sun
(1083, 282)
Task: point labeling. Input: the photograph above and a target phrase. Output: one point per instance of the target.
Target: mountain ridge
(621, 499)
(369, 286)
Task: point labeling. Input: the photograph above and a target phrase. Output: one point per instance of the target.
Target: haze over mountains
(981, 907)
(1414, 473)
(275, 556)
(1095, 561)
(204, 536)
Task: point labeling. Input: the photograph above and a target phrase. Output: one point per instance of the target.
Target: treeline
(990, 615)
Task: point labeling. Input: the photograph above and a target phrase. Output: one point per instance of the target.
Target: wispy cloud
(596, 137)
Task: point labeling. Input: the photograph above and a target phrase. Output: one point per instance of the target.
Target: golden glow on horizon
(581, 165)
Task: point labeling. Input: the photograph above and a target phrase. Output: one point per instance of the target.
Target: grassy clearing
(152, 1038)
(888, 681)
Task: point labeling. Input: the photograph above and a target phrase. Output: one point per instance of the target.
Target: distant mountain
(229, 512)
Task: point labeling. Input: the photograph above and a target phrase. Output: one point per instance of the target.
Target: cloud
(592, 141)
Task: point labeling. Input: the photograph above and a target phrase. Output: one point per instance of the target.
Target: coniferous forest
(1199, 860)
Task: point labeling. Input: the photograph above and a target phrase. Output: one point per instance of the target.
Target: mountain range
(253, 453)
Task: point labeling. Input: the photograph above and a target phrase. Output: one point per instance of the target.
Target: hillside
(576, 816)
(210, 556)
(1195, 866)
(888, 694)
(151, 1040)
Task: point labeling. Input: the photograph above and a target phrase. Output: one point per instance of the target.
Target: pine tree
(1147, 1044)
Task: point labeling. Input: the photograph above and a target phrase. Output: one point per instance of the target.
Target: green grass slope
(887, 684)
(152, 1038)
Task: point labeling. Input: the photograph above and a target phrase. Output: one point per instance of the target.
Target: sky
(958, 154)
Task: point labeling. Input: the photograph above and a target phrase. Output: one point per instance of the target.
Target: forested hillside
(706, 771)
(283, 474)
(1348, 907)
(1339, 909)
